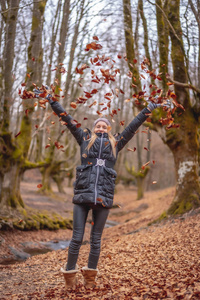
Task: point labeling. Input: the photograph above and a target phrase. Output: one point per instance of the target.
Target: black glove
(48, 97)
(37, 92)
(151, 106)
(167, 104)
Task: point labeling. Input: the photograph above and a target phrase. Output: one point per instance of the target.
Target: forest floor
(137, 261)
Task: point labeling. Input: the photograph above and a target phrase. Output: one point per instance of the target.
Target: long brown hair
(111, 139)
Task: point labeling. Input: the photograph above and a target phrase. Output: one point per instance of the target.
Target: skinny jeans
(99, 217)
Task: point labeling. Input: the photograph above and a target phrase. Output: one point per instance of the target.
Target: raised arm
(69, 121)
(130, 130)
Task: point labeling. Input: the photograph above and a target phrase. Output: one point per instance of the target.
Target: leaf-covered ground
(137, 261)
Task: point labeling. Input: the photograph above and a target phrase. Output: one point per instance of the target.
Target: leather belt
(98, 162)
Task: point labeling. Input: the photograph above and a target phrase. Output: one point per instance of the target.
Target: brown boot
(89, 277)
(70, 277)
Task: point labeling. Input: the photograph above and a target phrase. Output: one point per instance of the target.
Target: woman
(94, 185)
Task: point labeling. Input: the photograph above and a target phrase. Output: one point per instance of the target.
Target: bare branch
(185, 85)
(19, 7)
(170, 25)
(195, 12)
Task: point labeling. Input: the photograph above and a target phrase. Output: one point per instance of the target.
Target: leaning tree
(177, 128)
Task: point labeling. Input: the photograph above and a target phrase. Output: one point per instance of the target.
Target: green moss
(12, 201)
(23, 211)
(42, 5)
(162, 217)
(17, 154)
(29, 56)
(179, 208)
(31, 219)
(35, 23)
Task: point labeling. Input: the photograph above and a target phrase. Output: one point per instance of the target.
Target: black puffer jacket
(95, 179)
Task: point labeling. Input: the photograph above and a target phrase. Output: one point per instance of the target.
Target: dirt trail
(137, 261)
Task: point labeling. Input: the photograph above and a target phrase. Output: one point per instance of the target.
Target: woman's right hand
(38, 93)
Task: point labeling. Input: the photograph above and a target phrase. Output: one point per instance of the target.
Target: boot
(70, 277)
(89, 277)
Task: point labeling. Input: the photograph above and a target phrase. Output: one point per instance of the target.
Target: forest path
(137, 261)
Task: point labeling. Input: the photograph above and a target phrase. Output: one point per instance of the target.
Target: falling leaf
(154, 182)
(132, 150)
(39, 185)
(146, 164)
(94, 103)
(95, 38)
(26, 112)
(18, 134)
(93, 46)
(134, 85)
(73, 105)
(47, 146)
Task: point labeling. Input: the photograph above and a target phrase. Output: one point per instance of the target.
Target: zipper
(95, 187)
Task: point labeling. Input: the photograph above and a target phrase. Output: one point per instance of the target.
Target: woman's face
(101, 127)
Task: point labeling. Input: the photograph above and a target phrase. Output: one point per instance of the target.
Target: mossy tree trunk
(79, 18)
(14, 153)
(196, 12)
(145, 29)
(8, 170)
(163, 41)
(183, 142)
(129, 40)
(53, 171)
(140, 176)
(130, 53)
(54, 30)
(63, 36)
(54, 164)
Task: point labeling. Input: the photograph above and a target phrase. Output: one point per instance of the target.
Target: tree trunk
(63, 35)
(10, 192)
(14, 159)
(47, 173)
(130, 51)
(7, 147)
(183, 142)
(72, 50)
(6, 101)
(162, 42)
(53, 39)
(140, 187)
(146, 38)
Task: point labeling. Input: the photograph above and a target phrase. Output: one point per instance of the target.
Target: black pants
(80, 213)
